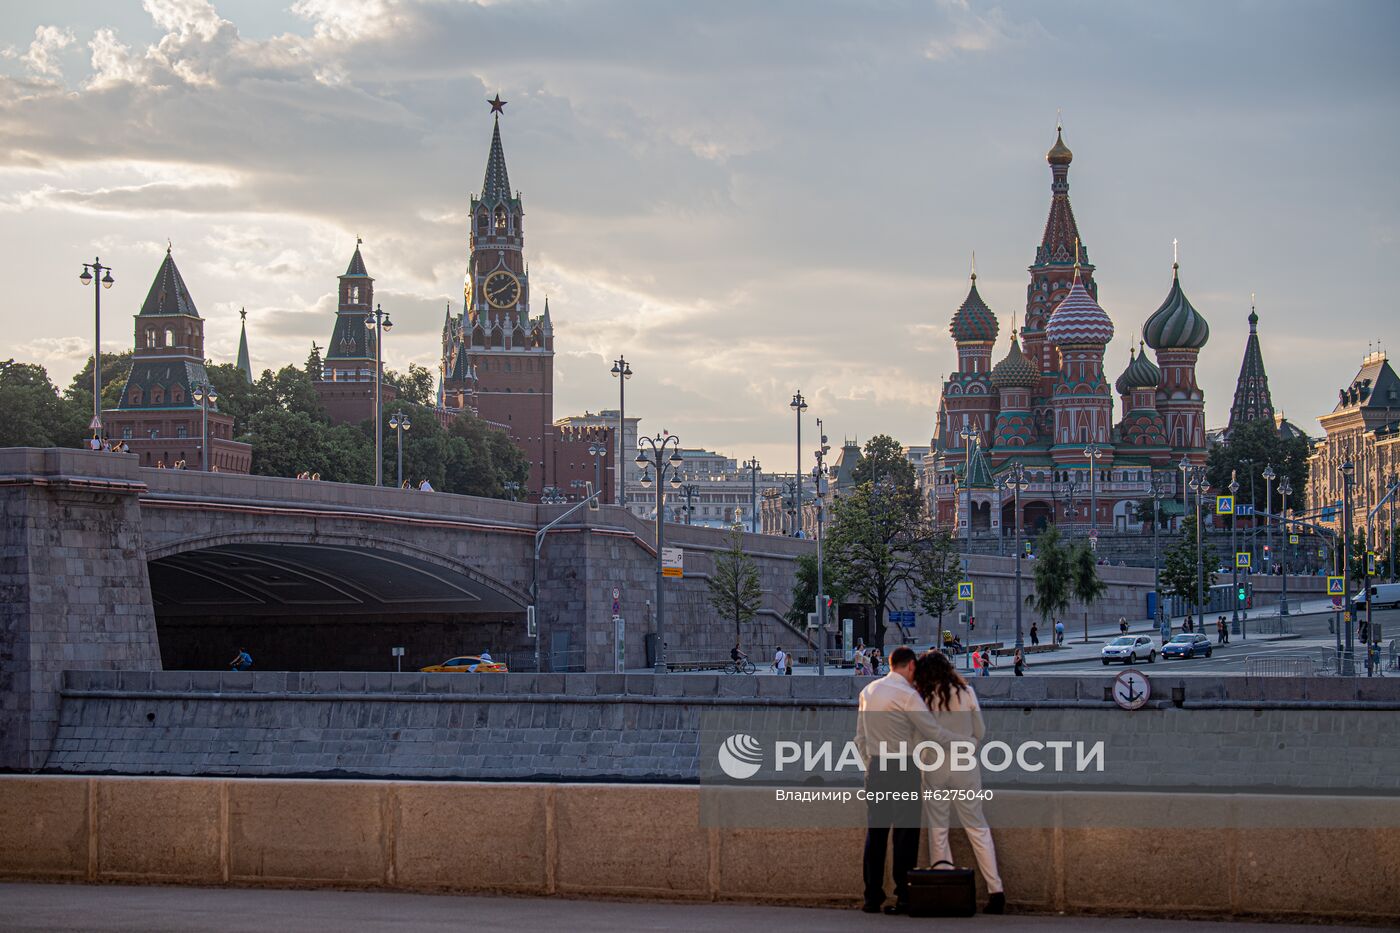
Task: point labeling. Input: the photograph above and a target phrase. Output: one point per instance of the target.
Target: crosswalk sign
(1242, 560)
(965, 591)
(1371, 562)
(1292, 539)
(1334, 587)
(1224, 505)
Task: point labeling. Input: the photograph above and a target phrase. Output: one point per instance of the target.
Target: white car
(1130, 648)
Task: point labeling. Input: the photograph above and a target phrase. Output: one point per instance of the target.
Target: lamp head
(213, 395)
(641, 460)
(107, 279)
(645, 480)
(86, 277)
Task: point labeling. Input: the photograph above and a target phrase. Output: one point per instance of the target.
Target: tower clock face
(502, 289)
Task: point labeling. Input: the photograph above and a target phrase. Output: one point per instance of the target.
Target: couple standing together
(921, 699)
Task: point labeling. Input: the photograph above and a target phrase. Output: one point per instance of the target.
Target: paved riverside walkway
(103, 908)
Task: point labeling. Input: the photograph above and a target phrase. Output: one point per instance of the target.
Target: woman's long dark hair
(935, 678)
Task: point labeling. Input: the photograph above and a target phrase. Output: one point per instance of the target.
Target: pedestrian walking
(1122, 626)
(779, 660)
(1035, 634)
(1019, 663)
(787, 665)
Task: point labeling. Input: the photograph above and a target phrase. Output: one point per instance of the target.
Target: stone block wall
(74, 593)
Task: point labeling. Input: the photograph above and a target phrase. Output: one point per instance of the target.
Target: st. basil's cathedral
(1048, 403)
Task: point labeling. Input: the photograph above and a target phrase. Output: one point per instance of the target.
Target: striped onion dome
(1141, 373)
(1015, 371)
(974, 322)
(1176, 325)
(1079, 319)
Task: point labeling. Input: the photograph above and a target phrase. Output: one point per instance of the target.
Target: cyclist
(241, 661)
(736, 653)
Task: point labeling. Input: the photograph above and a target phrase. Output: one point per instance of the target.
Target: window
(182, 431)
(157, 395)
(134, 397)
(126, 434)
(500, 220)
(150, 338)
(169, 337)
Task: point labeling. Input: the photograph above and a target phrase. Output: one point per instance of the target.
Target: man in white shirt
(779, 661)
(893, 719)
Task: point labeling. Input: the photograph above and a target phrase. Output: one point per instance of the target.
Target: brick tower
(346, 386)
(496, 357)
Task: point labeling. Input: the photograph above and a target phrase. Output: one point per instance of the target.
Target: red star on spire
(498, 105)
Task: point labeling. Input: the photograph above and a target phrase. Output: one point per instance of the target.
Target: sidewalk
(103, 908)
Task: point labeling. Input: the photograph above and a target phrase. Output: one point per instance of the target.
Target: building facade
(1048, 402)
(1362, 429)
(606, 420)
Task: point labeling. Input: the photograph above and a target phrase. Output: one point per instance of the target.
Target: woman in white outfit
(948, 695)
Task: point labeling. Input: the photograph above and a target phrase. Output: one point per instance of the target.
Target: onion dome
(1079, 319)
(1015, 371)
(974, 322)
(1141, 373)
(1176, 325)
(1059, 153)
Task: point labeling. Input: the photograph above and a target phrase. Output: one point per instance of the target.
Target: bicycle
(741, 666)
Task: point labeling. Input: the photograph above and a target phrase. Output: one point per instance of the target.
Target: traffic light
(1243, 594)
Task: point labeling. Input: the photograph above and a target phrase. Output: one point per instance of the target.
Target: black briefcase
(942, 892)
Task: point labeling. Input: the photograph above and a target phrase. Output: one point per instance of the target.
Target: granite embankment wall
(650, 841)
(1302, 735)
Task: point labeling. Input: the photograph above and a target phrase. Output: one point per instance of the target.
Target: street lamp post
(753, 467)
(1284, 488)
(1159, 492)
(798, 405)
(205, 395)
(1200, 487)
(689, 490)
(1184, 466)
(597, 452)
(400, 422)
(1269, 477)
(1093, 452)
(1234, 488)
(790, 504)
(819, 478)
(1348, 476)
(1017, 481)
(378, 322)
(622, 371)
(512, 487)
(104, 274)
(667, 470)
(969, 437)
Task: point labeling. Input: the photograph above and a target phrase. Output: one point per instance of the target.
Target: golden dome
(1059, 153)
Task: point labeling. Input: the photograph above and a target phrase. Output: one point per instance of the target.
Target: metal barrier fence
(1285, 665)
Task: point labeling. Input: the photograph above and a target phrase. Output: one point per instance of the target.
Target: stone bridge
(106, 565)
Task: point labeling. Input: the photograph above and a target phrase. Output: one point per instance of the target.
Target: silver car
(1129, 648)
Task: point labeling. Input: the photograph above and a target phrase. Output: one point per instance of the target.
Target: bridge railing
(1285, 665)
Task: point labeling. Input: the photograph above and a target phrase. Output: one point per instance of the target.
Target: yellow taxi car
(467, 664)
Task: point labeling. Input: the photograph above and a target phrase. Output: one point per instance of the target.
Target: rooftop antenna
(1175, 258)
(974, 265)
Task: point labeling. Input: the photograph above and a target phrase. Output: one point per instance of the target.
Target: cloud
(41, 57)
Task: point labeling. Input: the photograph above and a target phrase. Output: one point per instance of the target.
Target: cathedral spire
(245, 365)
(1252, 399)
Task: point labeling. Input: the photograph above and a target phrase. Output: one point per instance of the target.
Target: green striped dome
(1176, 325)
(1141, 373)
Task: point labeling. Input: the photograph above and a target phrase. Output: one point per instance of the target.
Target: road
(108, 909)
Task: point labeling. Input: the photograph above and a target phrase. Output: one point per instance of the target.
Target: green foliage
(286, 443)
(1086, 586)
(804, 589)
(734, 588)
(1253, 446)
(939, 574)
(1179, 565)
(31, 412)
(883, 461)
(1053, 578)
(417, 387)
(879, 543)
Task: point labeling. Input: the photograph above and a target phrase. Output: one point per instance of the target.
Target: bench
(685, 666)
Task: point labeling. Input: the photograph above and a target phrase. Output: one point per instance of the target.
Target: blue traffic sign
(1224, 505)
(1334, 587)
(965, 591)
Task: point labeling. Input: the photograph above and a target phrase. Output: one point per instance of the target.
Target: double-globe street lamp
(668, 471)
(753, 466)
(798, 405)
(1092, 453)
(1161, 488)
(819, 479)
(378, 322)
(1234, 488)
(1269, 477)
(104, 275)
(1285, 488)
(1348, 478)
(597, 451)
(205, 395)
(622, 372)
(1200, 486)
(400, 422)
(689, 491)
(1015, 480)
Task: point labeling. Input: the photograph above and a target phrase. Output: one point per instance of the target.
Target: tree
(1085, 583)
(734, 589)
(1254, 445)
(315, 366)
(415, 387)
(1179, 566)
(884, 460)
(31, 412)
(1053, 578)
(875, 547)
(939, 574)
(804, 589)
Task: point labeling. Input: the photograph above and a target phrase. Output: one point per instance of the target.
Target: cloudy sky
(745, 198)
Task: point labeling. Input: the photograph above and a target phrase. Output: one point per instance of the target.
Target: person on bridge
(779, 660)
(1059, 633)
(241, 661)
(736, 653)
(1035, 634)
(1019, 662)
